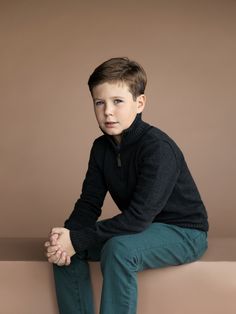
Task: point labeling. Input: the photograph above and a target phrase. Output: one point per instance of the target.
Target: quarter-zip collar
(129, 135)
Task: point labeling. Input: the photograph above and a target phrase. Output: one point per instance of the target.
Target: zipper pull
(118, 160)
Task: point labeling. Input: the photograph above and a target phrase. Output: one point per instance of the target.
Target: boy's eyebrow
(110, 97)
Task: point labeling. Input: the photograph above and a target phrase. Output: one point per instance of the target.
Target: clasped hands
(59, 248)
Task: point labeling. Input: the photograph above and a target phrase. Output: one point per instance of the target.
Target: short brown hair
(120, 70)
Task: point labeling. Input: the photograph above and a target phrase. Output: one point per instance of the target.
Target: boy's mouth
(110, 124)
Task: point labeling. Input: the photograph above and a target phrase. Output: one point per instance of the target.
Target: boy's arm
(87, 209)
(158, 174)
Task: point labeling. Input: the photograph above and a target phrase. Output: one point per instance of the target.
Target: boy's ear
(141, 101)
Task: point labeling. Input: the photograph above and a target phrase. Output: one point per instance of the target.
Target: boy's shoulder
(160, 137)
(100, 141)
(157, 142)
(99, 146)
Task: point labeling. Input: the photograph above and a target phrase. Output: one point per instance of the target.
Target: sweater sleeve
(157, 177)
(87, 209)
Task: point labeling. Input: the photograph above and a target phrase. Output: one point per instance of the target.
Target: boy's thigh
(160, 245)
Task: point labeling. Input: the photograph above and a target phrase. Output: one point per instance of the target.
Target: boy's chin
(111, 131)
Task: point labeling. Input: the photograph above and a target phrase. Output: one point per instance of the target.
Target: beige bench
(207, 286)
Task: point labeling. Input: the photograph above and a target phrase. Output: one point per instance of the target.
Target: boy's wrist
(74, 244)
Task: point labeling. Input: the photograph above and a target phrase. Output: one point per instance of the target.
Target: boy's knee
(116, 250)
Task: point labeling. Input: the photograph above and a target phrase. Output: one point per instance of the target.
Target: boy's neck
(117, 138)
(129, 134)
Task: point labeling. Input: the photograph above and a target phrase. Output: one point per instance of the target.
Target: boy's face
(115, 108)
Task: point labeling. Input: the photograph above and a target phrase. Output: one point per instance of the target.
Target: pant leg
(158, 246)
(73, 284)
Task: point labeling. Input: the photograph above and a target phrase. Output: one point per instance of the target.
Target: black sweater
(148, 179)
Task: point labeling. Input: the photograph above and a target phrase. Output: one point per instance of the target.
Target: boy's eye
(116, 101)
(97, 103)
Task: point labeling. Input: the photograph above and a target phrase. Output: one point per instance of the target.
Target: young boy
(163, 220)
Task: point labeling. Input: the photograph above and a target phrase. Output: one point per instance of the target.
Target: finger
(46, 244)
(55, 257)
(49, 254)
(62, 259)
(50, 249)
(54, 235)
(53, 248)
(53, 238)
(50, 233)
(58, 230)
(68, 261)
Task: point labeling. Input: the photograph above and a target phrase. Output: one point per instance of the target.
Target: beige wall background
(48, 50)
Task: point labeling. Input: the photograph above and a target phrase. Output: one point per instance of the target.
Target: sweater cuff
(82, 239)
(72, 225)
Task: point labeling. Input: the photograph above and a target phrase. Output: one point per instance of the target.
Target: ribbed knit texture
(148, 179)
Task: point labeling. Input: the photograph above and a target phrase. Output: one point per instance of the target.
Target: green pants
(121, 257)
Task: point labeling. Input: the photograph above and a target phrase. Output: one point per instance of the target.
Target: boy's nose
(108, 110)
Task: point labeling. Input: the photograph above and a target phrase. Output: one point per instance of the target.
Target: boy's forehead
(111, 89)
